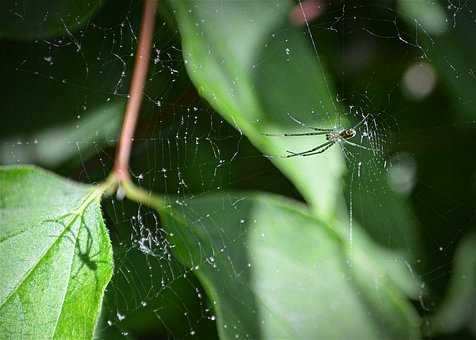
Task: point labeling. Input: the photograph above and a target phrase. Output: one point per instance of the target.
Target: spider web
(184, 148)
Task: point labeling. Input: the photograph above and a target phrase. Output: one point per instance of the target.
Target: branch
(121, 165)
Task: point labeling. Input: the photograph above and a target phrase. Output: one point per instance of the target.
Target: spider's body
(332, 136)
(335, 136)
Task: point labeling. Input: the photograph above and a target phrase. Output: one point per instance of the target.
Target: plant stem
(121, 165)
(137, 194)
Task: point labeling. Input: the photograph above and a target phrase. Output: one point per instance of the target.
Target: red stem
(136, 91)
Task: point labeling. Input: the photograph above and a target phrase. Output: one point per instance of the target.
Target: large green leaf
(260, 72)
(274, 271)
(54, 145)
(55, 256)
(31, 19)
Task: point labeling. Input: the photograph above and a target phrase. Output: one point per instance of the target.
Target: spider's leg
(304, 153)
(298, 134)
(319, 151)
(293, 154)
(319, 129)
(81, 266)
(57, 219)
(71, 236)
(94, 255)
(85, 256)
(357, 145)
(89, 237)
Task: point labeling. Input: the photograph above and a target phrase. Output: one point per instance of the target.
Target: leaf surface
(55, 256)
(274, 271)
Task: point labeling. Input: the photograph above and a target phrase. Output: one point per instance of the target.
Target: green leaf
(30, 19)
(392, 263)
(55, 256)
(458, 310)
(274, 271)
(427, 14)
(256, 69)
(54, 145)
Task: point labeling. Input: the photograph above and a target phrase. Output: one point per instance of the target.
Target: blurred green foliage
(62, 105)
(29, 20)
(267, 280)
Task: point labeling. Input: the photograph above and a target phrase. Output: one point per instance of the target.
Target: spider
(332, 136)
